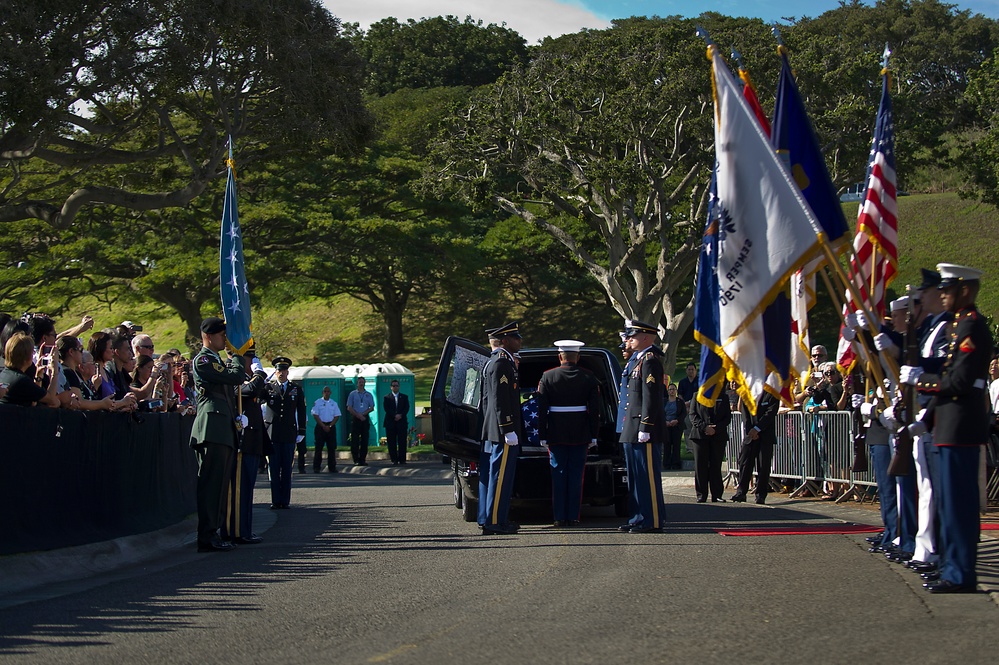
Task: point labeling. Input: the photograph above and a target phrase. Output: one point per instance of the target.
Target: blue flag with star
(232, 276)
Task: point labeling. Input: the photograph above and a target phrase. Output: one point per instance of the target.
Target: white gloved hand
(643, 437)
(511, 439)
(544, 443)
(917, 429)
(300, 438)
(882, 342)
(866, 409)
(849, 327)
(256, 365)
(593, 444)
(888, 419)
(862, 320)
(910, 374)
(856, 400)
(244, 422)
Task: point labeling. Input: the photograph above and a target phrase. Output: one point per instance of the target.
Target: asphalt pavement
(40, 575)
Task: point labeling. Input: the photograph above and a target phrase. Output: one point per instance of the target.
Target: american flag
(875, 262)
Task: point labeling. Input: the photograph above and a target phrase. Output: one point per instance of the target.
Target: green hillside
(932, 228)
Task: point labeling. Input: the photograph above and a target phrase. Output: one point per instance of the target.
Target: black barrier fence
(70, 478)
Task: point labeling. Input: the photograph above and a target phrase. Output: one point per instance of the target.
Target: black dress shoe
(943, 586)
(738, 498)
(922, 566)
(898, 556)
(252, 539)
(701, 500)
(215, 546)
(646, 529)
(558, 524)
(876, 549)
(930, 577)
(497, 530)
(877, 538)
(275, 506)
(332, 469)
(717, 499)
(626, 527)
(761, 500)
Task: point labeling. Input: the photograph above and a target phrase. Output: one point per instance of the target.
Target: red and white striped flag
(875, 262)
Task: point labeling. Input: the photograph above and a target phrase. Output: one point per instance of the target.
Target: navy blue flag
(711, 376)
(796, 144)
(232, 277)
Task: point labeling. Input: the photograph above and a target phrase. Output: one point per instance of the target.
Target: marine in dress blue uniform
(286, 405)
(958, 416)
(643, 430)
(568, 423)
(501, 430)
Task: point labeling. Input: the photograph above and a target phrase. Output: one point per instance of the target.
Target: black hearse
(457, 425)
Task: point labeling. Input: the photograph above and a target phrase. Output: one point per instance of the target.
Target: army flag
(765, 232)
(232, 277)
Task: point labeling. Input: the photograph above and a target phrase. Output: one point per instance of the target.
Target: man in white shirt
(326, 413)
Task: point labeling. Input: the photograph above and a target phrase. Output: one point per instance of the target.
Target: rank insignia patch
(967, 346)
(651, 379)
(503, 379)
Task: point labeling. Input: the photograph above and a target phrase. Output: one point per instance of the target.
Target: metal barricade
(735, 435)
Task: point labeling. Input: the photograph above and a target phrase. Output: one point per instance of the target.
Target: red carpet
(990, 526)
(802, 530)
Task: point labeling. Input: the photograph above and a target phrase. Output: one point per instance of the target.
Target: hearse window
(463, 377)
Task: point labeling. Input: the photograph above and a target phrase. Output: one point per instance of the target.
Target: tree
(436, 52)
(935, 48)
(604, 142)
(79, 79)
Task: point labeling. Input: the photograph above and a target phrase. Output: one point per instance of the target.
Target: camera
(150, 404)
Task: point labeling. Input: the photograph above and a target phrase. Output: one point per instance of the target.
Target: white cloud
(533, 19)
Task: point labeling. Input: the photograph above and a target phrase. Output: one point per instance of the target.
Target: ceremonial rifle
(901, 461)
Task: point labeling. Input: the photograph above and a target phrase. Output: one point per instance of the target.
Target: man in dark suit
(757, 448)
(213, 436)
(958, 416)
(395, 407)
(501, 429)
(644, 428)
(568, 423)
(708, 438)
(286, 406)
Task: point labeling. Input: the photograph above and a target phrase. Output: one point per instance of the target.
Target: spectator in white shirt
(326, 414)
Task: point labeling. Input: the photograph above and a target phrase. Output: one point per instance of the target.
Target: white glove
(511, 438)
(909, 374)
(300, 438)
(544, 443)
(593, 444)
(888, 419)
(643, 437)
(256, 365)
(917, 429)
(856, 400)
(849, 324)
(866, 409)
(244, 422)
(882, 342)
(861, 320)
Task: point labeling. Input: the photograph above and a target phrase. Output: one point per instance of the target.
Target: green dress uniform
(214, 438)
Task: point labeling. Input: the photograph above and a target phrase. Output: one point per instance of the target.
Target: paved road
(370, 569)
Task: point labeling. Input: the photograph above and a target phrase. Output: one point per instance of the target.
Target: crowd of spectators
(116, 369)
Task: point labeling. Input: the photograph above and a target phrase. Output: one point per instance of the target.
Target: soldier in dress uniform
(958, 417)
(238, 525)
(501, 430)
(286, 407)
(644, 429)
(214, 433)
(568, 423)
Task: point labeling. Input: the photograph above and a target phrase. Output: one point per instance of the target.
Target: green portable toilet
(377, 381)
(312, 379)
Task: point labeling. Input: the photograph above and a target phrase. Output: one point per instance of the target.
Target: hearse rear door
(454, 398)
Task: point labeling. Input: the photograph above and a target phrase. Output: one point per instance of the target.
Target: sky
(536, 19)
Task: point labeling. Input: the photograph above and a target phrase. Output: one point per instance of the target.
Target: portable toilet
(312, 379)
(377, 381)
